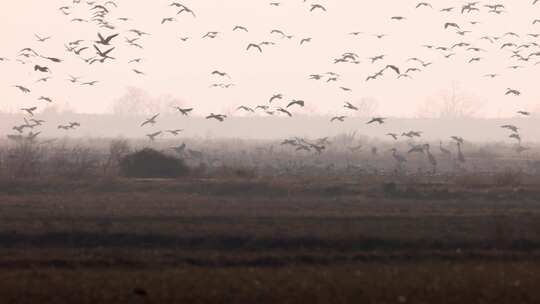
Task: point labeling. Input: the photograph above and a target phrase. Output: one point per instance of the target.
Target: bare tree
(453, 103)
(367, 107)
(135, 102)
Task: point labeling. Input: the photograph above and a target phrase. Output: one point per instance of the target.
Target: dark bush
(389, 188)
(149, 163)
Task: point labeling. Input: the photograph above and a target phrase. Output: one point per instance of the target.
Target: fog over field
(270, 151)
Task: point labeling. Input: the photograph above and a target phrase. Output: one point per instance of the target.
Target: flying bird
(253, 45)
(379, 120)
(296, 102)
(151, 120)
(317, 6)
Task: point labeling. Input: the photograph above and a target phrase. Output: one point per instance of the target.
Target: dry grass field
(269, 240)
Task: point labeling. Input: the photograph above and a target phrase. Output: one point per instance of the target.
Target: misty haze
(280, 151)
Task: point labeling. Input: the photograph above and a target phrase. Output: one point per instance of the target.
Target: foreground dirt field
(268, 241)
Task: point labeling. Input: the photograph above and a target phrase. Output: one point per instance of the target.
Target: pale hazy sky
(182, 69)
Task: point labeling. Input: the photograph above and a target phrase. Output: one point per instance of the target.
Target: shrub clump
(149, 163)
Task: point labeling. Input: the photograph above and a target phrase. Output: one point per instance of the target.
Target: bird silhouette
(42, 39)
(105, 41)
(218, 117)
(274, 97)
(184, 111)
(241, 28)
(255, 46)
(317, 6)
(284, 111)
(22, 89)
(152, 136)
(300, 103)
(338, 118)
(151, 120)
(30, 111)
(393, 135)
(379, 120)
(514, 92)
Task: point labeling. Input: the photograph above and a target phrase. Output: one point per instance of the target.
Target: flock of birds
(102, 51)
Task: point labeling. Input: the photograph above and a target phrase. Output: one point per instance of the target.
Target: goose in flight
(393, 135)
(275, 96)
(44, 79)
(375, 76)
(317, 6)
(151, 120)
(152, 136)
(90, 83)
(491, 75)
(393, 67)
(423, 4)
(253, 45)
(305, 40)
(32, 136)
(451, 24)
(379, 120)
(222, 74)
(515, 136)
(218, 117)
(244, 108)
(462, 33)
(53, 59)
(175, 132)
(398, 18)
(47, 99)
(511, 128)
(104, 55)
(187, 10)
(412, 134)
(64, 127)
(138, 32)
(211, 35)
(22, 89)
(296, 102)
(350, 106)
(168, 19)
(338, 118)
(105, 41)
(282, 110)
(30, 111)
(524, 113)
(241, 28)
(37, 122)
(262, 107)
(184, 112)
(78, 51)
(514, 92)
(42, 39)
(412, 70)
(375, 58)
(138, 72)
(41, 69)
